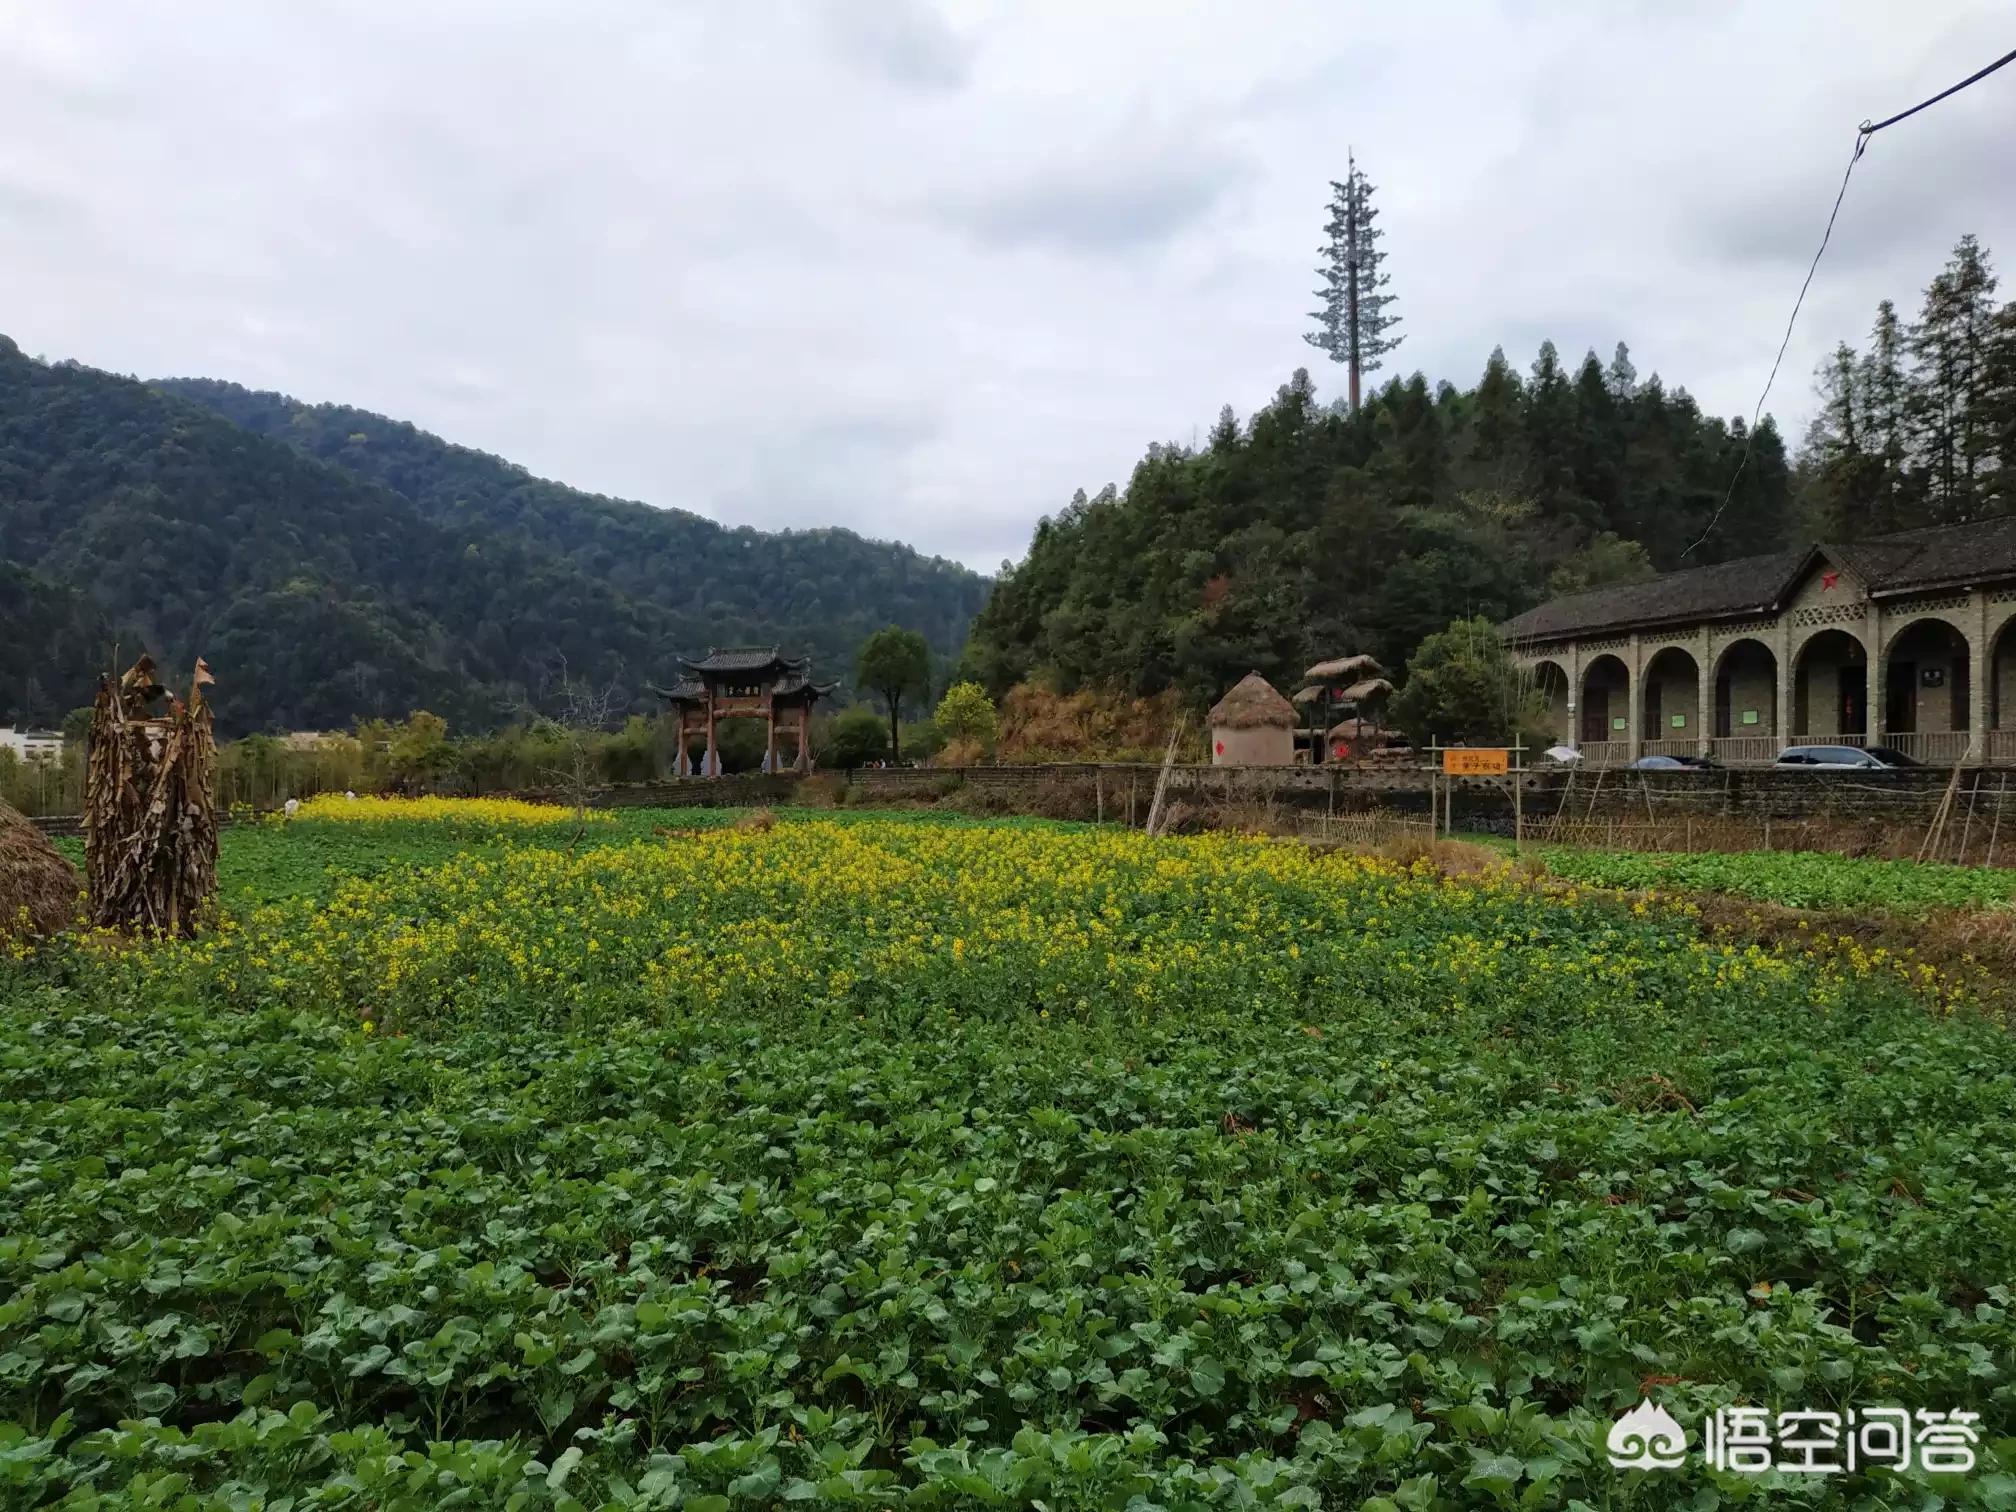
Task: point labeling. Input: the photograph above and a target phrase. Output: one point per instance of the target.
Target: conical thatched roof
(38, 888)
(1251, 705)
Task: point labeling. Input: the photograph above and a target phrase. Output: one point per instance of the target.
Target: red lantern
(1219, 748)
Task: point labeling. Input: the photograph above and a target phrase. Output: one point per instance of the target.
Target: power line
(1862, 134)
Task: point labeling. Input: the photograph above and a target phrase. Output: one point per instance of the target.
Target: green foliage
(1462, 688)
(892, 664)
(1311, 531)
(1149, 1187)
(819, 590)
(854, 738)
(1798, 879)
(1919, 428)
(329, 580)
(967, 714)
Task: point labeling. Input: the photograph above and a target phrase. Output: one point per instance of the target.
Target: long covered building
(1901, 641)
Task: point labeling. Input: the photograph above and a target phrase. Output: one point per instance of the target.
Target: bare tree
(576, 713)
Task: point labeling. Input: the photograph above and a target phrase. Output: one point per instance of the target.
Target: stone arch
(1555, 695)
(1928, 667)
(1830, 687)
(1669, 697)
(1744, 682)
(1998, 681)
(1605, 698)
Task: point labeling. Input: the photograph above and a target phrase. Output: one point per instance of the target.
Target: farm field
(873, 1161)
(1797, 879)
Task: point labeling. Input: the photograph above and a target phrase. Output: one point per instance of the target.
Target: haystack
(150, 805)
(1253, 725)
(38, 888)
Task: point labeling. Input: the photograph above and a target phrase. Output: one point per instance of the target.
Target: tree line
(1919, 426)
(1308, 530)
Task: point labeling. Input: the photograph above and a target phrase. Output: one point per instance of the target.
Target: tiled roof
(743, 659)
(1936, 557)
(1745, 585)
(687, 691)
(1939, 556)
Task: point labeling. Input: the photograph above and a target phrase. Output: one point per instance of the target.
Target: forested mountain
(1308, 531)
(53, 642)
(321, 596)
(824, 590)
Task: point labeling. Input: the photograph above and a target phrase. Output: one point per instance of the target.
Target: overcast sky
(922, 269)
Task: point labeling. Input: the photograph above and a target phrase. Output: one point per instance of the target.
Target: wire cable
(1862, 134)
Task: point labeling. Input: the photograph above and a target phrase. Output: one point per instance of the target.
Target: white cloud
(923, 270)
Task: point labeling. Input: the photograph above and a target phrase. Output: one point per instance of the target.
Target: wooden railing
(1604, 753)
(1746, 750)
(1682, 746)
(2002, 746)
(1933, 747)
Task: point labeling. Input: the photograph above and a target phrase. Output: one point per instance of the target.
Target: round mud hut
(38, 888)
(1253, 725)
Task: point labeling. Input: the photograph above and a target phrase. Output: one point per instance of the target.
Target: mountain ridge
(323, 593)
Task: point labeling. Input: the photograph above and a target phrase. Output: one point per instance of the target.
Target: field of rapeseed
(889, 1163)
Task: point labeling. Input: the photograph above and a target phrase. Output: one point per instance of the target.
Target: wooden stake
(1996, 828)
(1162, 782)
(1967, 829)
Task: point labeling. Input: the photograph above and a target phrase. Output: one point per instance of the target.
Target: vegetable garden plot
(908, 1164)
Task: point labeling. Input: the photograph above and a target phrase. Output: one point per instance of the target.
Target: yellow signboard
(1479, 763)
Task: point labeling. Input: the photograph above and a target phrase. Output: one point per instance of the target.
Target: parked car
(1671, 764)
(1845, 758)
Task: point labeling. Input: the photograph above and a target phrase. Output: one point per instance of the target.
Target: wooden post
(1518, 794)
(1099, 796)
(1967, 829)
(713, 759)
(770, 742)
(1996, 829)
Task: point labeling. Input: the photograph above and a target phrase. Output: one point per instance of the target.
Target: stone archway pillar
(1634, 699)
(1782, 675)
(1877, 720)
(1574, 736)
(1704, 696)
(1980, 676)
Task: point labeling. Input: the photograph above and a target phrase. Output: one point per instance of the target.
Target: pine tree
(1885, 402)
(1353, 323)
(1949, 347)
(1621, 377)
(1998, 411)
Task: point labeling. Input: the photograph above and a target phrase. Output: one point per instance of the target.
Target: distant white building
(32, 745)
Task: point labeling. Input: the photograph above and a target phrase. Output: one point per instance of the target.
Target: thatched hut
(1253, 725)
(38, 888)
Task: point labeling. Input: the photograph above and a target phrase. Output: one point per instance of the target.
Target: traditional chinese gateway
(1902, 641)
(743, 682)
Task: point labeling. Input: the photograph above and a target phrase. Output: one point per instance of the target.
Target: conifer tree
(1353, 323)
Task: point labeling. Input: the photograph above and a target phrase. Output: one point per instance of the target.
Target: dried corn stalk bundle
(150, 805)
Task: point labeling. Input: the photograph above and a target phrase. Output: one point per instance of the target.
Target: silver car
(1841, 758)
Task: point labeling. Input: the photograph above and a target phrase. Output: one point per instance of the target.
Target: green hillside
(321, 594)
(823, 590)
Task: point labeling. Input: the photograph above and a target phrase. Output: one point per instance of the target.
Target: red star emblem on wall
(1828, 580)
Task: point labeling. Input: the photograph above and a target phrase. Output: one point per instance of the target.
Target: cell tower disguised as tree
(1352, 326)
